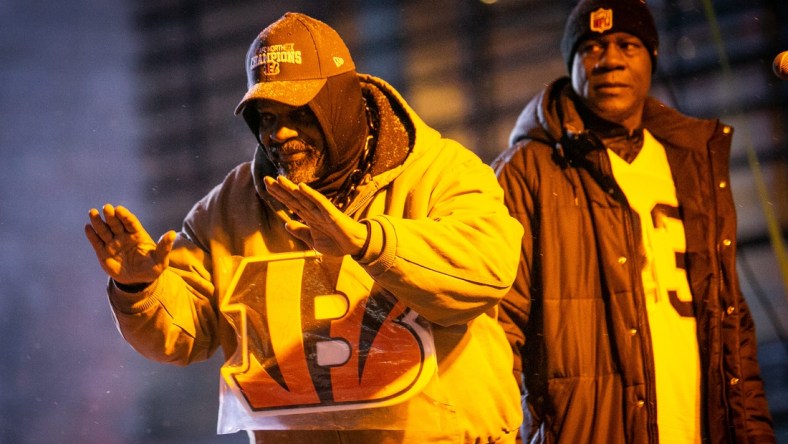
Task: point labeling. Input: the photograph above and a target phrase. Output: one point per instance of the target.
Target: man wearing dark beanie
(626, 317)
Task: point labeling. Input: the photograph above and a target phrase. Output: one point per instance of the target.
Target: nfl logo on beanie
(601, 20)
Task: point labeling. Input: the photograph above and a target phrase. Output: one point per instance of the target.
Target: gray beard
(300, 171)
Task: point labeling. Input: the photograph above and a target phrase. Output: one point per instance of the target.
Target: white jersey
(648, 185)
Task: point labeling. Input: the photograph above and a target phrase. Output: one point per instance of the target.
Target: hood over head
(299, 61)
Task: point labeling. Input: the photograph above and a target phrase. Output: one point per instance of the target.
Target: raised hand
(325, 228)
(124, 249)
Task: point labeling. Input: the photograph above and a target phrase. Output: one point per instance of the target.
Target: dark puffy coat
(576, 315)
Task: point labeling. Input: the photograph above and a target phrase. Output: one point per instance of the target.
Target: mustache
(290, 146)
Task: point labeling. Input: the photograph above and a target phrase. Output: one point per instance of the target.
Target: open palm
(325, 228)
(124, 249)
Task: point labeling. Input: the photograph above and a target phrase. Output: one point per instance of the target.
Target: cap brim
(289, 92)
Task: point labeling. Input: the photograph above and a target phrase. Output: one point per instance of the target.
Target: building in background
(132, 102)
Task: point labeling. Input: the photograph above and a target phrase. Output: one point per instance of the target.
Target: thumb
(300, 231)
(164, 247)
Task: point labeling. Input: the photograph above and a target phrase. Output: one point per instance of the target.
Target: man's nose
(612, 56)
(283, 133)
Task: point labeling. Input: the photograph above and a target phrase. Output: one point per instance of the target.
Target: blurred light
(685, 48)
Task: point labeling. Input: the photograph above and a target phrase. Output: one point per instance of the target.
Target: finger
(95, 241)
(290, 188)
(112, 220)
(295, 225)
(279, 192)
(268, 181)
(307, 197)
(286, 183)
(280, 182)
(100, 228)
(300, 231)
(289, 195)
(317, 200)
(130, 222)
(321, 211)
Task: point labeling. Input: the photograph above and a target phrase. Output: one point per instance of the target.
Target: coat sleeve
(748, 413)
(176, 319)
(518, 197)
(450, 248)
(751, 418)
(173, 320)
(519, 305)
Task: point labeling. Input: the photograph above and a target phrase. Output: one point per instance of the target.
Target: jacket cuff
(382, 248)
(131, 302)
(374, 244)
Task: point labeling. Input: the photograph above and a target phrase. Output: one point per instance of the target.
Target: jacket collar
(556, 117)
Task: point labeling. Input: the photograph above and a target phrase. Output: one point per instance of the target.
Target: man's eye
(267, 120)
(303, 115)
(630, 46)
(590, 48)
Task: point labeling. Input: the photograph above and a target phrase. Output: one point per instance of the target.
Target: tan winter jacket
(443, 245)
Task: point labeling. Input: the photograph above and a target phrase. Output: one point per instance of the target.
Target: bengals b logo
(316, 334)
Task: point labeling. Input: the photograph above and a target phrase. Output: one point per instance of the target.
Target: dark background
(131, 103)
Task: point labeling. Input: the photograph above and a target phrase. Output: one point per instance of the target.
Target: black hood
(394, 138)
(339, 108)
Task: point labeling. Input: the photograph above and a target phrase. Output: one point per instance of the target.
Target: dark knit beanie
(597, 17)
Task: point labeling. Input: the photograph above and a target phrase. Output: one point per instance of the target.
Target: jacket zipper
(360, 201)
(637, 280)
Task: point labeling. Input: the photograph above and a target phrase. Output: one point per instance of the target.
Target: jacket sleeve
(451, 253)
(518, 197)
(516, 307)
(751, 417)
(173, 319)
(748, 414)
(749, 410)
(517, 303)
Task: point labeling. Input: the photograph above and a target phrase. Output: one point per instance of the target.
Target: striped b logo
(316, 334)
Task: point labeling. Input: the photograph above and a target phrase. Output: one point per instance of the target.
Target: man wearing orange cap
(626, 317)
(350, 272)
